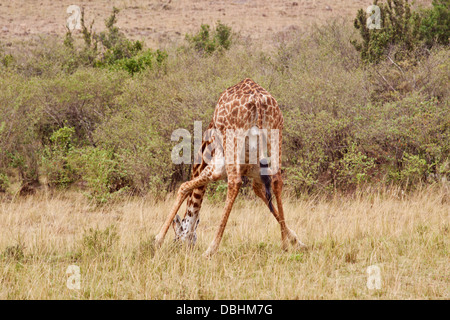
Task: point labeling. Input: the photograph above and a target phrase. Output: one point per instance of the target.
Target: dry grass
(406, 236)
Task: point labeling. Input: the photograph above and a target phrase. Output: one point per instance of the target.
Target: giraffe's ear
(176, 223)
(196, 224)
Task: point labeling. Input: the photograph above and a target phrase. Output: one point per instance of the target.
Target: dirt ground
(161, 22)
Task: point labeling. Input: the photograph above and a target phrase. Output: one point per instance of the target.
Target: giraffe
(244, 107)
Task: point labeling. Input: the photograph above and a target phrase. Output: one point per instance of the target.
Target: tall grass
(405, 235)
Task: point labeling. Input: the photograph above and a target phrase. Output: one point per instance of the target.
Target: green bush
(4, 182)
(19, 142)
(399, 26)
(405, 31)
(7, 60)
(80, 101)
(217, 191)
(116, 46)
(111, 49)
(354, 167)
(414, 170)
(55, 159)
(207, 41)
(140, 139)
(102, 171)
(44, 57)
(346, 123)
(142, 61)
(435, 24)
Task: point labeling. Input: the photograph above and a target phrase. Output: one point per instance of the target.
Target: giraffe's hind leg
(260, 191)
(287, 235)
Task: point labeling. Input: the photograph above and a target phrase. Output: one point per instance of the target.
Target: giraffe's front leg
(234, 183)
(182, 194)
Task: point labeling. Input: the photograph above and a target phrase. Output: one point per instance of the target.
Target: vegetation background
(86, 176)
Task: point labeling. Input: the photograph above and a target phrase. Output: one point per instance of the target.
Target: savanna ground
(407, 237)
(160, 22)
(86, 178)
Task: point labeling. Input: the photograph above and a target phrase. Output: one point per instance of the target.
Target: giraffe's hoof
(295, 242)
(298, 245)
(206, 256)
(158, 241)
(209, 253)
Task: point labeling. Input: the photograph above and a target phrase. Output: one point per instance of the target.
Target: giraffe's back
(246, 105)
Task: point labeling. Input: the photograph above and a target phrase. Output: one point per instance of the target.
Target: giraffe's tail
(264, 161)
(266, 179)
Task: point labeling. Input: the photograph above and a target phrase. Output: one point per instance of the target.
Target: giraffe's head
(185, 229)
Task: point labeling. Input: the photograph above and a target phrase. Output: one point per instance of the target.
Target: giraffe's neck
(195, 199)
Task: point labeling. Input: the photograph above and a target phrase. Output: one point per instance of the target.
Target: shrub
(64, 164)
(345, 124)
(102, 171)
(313, 153)
(354, 167)
(223, 35)
(7, 60)
(140, 62)
(399, 26)
(407, 30)
(55, 158)
(435, 23)
(14, 253)
(414, 170)
(207, 42)
(144, 150)
(217, 191)
(111, 49)
(394, 80)
(116, 46)
(80, 101)
(4, 182)
(18, 141)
